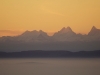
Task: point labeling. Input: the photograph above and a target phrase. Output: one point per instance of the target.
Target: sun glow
(49, 16)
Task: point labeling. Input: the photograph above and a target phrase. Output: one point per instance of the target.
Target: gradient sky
(49, 15)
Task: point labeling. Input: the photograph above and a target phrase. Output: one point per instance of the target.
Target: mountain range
(65, 39)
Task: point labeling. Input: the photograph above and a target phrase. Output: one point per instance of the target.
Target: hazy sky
(49, 15)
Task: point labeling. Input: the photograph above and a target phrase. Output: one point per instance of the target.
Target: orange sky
(48, 15)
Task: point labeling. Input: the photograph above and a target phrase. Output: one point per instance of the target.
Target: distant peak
(40, 31)
(94, 31)
(64, 30)
(93, 28)
(68, 28)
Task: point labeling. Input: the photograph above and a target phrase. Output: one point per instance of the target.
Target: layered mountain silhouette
(64, 34)
(65, 39)
(33, 36)
(94, 32)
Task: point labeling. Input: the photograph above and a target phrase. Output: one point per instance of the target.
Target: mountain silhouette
(65, 39)
(51, 54)
(64, 34)
(94, 32)
(66, 31)
(30, 36)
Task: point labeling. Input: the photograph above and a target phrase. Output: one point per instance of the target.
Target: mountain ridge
(51, 54)
(63, 29)
(65, 34)
(65, 39)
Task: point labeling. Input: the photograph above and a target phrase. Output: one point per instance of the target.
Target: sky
(50, 16)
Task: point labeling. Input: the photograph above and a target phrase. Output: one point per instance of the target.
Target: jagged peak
(94, 31)
(43, 33)
(28, 33)
(94, 28)
(68, 28)
(64, 30)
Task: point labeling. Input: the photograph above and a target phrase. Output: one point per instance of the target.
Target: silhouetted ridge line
(65, 39)
(50, 54)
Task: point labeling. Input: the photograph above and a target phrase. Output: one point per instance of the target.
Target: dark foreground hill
(50, 54)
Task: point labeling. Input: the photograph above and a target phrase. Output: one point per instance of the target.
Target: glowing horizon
(49, 15)
(16, 33)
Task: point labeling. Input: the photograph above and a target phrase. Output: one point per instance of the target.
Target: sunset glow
(48, 15)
